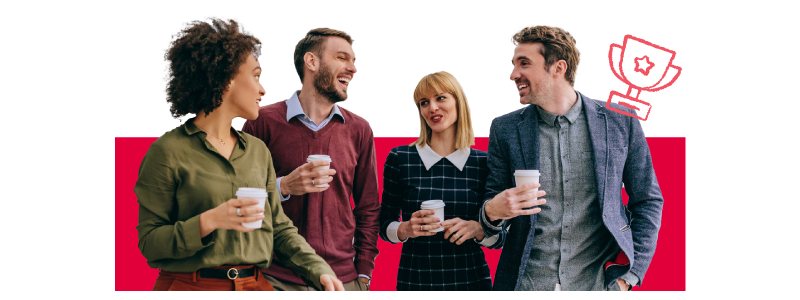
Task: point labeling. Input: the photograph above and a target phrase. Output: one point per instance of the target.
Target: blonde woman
(440, 165)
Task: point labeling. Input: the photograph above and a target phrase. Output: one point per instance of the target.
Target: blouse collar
(430, 158)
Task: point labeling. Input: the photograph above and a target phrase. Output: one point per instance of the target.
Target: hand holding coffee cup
(320, 157)
(437, 206)
(517, 201)
(420, 224)
(225, 216)
(257, 194)
(308, 178)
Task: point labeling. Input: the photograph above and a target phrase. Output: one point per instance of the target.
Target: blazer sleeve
(499, 180)
(491, 242)
(391, 198)
(645, 201)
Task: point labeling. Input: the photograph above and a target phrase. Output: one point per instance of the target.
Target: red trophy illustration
(642, 65)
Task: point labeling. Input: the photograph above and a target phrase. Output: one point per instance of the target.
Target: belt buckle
(235, 273)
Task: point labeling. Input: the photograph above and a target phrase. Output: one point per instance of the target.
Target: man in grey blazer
(581, 237)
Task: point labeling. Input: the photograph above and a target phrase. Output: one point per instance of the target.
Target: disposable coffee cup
(523, 177)
(255, 193)
(438, 208)
(320, 157)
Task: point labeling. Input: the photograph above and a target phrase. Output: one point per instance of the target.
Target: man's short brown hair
(314, 42)
(558, 44)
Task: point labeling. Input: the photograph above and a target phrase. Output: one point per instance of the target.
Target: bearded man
(317, 200)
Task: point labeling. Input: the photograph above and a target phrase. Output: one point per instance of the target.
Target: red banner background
(667, 271)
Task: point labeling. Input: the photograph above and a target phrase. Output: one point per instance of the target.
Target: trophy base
(641, 107)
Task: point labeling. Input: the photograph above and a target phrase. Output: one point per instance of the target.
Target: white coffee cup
(438, 208)
(255, 193)
(320, 157)
(522, 177)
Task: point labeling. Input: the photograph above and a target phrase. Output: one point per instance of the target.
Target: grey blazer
(621, 155)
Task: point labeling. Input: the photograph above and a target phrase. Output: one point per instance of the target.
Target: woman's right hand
(421, 221)
(224, 216)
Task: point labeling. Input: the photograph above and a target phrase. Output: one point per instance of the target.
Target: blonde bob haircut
(440, 82)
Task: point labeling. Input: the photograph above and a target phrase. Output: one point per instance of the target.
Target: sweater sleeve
(367, 206)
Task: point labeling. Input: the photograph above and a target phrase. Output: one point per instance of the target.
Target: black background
(395, 52)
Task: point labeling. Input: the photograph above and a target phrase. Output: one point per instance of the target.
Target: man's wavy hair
(558, 45)
(204, 58)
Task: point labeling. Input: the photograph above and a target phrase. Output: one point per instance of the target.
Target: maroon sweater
(326, 219)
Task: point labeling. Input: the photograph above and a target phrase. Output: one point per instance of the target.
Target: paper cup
(522, 177)
(438, 208)
(255, 193)
(320, 157)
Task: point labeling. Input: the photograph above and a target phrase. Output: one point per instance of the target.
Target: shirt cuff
(191, 235)
(391, 233)
(630, 278)
(365, 276)
(489, 241)
(486, 221)
(279, 191)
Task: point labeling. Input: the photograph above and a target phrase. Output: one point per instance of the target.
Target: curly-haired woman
(190, 224)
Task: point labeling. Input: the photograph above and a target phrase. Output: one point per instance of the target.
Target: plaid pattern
(433, 263)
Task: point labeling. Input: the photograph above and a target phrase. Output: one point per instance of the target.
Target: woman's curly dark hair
(204, 58)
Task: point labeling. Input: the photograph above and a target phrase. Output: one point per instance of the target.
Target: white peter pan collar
(430, 158)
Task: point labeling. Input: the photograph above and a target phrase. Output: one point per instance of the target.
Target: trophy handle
(672, 72)
(615, 59)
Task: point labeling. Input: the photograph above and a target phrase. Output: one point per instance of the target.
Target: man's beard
(325, 84)
(544, 95)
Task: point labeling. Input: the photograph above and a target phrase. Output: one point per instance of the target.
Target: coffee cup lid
(432, 204)
(527, 173)
(251, 192)
(318, 157)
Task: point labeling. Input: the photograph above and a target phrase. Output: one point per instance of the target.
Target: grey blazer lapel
(596, 117)
(529, 137)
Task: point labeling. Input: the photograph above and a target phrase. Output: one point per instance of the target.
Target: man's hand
(331, 283)
(302, 180)
(514, 201)
(365, 281)
(623, 286)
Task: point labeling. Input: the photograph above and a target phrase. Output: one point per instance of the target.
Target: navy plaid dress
(431, 262)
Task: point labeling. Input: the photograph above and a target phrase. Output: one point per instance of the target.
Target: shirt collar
(430, 158)
(571, 115)
(192, 129)
(294, 108)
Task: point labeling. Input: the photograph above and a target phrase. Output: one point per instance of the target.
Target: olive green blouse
(183, 175)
